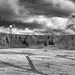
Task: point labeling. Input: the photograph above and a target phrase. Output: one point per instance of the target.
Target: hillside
(37, 41)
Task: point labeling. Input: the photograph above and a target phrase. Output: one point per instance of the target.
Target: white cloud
(26, 31)
(53, 23)
(49, 24)
(59, 22)
(4, 30)
(70, 31)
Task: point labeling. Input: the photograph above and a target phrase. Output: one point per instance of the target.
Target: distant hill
(37, 41)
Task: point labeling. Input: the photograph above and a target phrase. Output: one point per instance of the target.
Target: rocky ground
(36, 62)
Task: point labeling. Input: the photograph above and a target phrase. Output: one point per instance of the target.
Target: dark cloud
(19, 11)
(31, 1)
(12, 10)
(6, 11)
(20, 25)
(49, 7)
(73, 1)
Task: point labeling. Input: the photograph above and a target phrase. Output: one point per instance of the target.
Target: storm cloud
(21, 9)
(50, 7)
(11, 9)
(37, 14)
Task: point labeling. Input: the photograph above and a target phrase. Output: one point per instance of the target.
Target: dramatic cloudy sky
(37, 16)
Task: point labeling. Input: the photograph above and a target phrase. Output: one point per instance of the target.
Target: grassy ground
(44, 62)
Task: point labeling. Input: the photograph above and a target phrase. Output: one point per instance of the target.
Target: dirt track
(44, 62)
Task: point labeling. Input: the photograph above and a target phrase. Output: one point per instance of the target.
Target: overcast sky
(36, 16)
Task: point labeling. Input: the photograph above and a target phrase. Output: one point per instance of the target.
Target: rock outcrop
(23, 41)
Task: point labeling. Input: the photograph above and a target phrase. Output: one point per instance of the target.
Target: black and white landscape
(37, 37)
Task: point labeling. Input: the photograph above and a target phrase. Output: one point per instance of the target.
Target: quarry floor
(41, 62)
